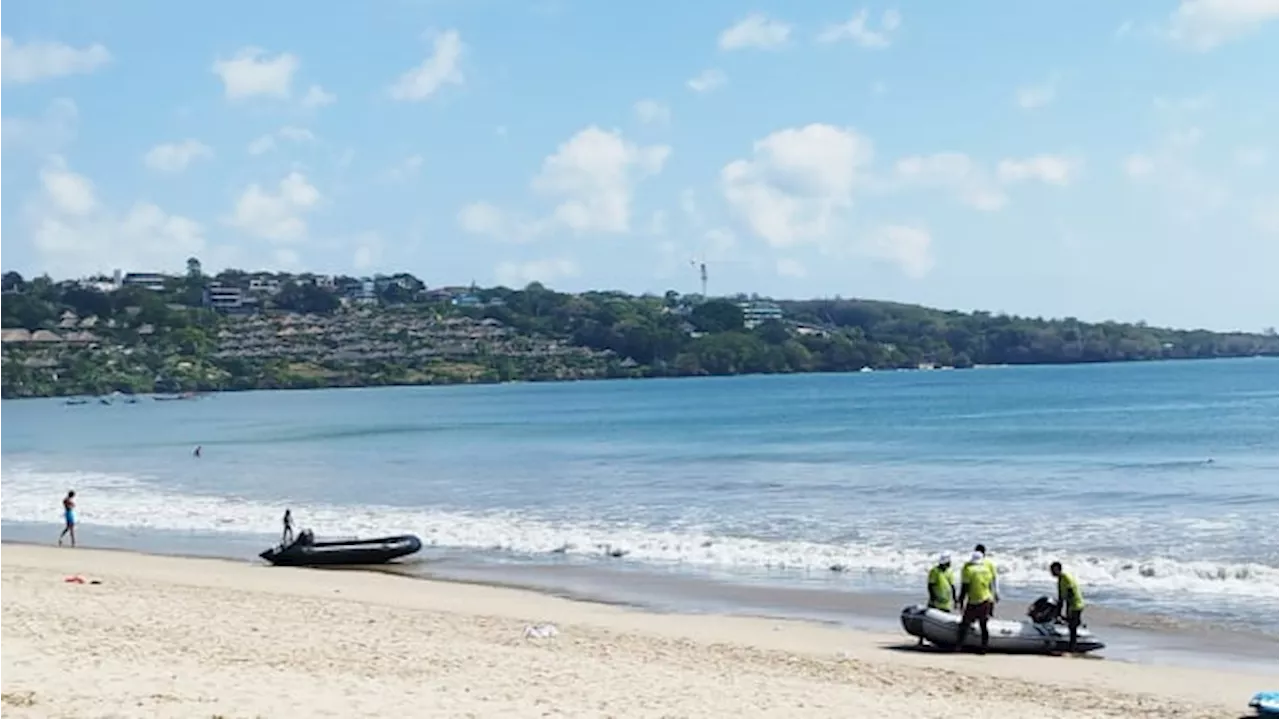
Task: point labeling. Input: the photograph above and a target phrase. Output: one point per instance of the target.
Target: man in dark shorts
(977, 599)
(1070, 602)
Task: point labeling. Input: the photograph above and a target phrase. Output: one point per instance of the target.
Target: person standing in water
(69, 517)
(196, 452)
(287, 536)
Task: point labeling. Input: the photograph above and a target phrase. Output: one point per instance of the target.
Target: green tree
(717, 316)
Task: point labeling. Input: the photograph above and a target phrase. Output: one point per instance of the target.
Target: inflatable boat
(306, 552)
(1266, 704)
(1040, 634)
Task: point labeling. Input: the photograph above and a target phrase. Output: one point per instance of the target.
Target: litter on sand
(540, 631)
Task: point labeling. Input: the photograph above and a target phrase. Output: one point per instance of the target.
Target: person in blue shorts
(69, 516)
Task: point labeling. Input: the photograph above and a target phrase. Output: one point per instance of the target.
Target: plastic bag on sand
(540, 631)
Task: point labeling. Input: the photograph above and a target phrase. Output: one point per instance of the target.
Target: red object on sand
(76, 579)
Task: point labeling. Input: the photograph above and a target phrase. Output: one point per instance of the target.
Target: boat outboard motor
(305, 538)
(1043, 611)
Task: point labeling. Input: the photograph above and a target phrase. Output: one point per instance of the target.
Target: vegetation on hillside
(130, 339)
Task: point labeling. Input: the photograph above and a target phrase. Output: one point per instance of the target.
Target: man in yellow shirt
(942, 590)
(995, 578)
(976, 598)
(1070, 602)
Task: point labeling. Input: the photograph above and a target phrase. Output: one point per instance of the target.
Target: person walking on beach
(976, 599)
(69, 517)
(287, 536)
(1070, 603)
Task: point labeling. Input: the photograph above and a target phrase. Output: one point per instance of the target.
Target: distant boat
(76, 401)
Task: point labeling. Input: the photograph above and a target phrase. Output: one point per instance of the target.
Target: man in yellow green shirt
(976, 597)
(942, 589)
(1070, 602)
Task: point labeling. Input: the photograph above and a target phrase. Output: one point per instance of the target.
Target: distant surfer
(69, 517)
(287, 536)
(196, 452)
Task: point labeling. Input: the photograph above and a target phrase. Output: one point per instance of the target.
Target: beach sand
(179, 637)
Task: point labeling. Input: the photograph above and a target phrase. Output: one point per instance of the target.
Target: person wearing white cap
(976, 598)
(941, 587)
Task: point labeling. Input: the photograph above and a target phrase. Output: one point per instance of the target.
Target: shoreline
(605, 378)
(169, 636)
(1132, 639)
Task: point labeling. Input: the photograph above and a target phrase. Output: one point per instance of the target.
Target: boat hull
(343, 553)
(941, 628)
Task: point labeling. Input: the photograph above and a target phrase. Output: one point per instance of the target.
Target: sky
(1093, 159)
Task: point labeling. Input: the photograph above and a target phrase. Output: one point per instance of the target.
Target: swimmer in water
(196, 452)
(69, 516)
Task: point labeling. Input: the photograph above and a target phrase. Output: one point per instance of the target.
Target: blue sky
(1091, 159)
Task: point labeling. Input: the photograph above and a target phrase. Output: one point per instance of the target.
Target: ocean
(1155, 483)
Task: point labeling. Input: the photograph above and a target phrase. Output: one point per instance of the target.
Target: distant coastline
(147, 333)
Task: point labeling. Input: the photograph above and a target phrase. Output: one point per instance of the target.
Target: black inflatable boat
(306, 552)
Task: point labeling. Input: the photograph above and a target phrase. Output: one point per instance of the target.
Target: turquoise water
(1155, 483)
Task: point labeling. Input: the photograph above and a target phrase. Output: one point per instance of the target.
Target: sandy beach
(178, 637)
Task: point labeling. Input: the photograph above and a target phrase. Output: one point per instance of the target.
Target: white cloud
(910, 248)
(276, 216)
(689, 205)
(38, 60)
(75, 235)
(1176, 106)
(251, 72)
(1170, 168)
(520, 274)
(290, 133)
(483, 218)
(1050, 169)
(1251, 156)
(70, 193)
(658, 223)
(1203, 25)
(797, 181)
(1137, 165)
(296, 134)
(1030, 97)
(954, 172)
(717, 243)
(368, 251)
(593, 174)
(318, 97)
(652, 112)
(707, 80)
(174, 157)
(1266, 218)
(262, 145)
(856, 30)
(755, 31)
(45, 135)
(591, 177)
(788, 267)
(438, 69)
(405, 169)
